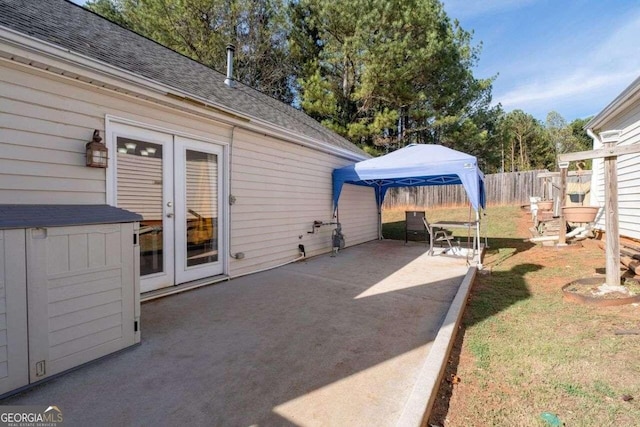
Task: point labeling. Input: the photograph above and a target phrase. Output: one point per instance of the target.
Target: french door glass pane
(202, 207)
(139, 176)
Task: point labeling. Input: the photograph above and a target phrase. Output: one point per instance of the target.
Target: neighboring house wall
(628, 122)
(280, 187)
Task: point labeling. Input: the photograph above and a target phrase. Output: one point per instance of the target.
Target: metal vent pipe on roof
(229, 80)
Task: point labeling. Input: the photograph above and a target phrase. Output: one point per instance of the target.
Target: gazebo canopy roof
(414, 165)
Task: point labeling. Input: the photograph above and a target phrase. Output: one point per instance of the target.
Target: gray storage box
(69, 288)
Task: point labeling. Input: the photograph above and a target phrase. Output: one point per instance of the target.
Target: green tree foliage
(567, 137)
(389, 72)
(583, 141)
(480, 136)
(201, 29)
(570, 137)
(110, 9)
(525, 143)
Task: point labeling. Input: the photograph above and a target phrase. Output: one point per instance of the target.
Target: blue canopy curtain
(414, 165)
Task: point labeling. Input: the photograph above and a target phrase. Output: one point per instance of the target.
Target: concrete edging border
(420, 402)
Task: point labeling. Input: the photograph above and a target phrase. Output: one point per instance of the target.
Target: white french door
(176, 184)
(198, 187)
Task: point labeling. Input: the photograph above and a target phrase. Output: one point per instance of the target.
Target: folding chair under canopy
(415, 165)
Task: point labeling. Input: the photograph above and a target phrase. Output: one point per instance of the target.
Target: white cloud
(621, 44)
(561, 88)
(593, 75)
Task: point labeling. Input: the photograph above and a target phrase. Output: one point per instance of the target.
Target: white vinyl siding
(280, 187)
(358, 211)
(45, 122)
(628, 174)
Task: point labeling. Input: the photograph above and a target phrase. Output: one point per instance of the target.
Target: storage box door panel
(80, 295)
(13, 311)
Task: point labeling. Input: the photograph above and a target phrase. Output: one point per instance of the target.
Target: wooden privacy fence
(511, 188)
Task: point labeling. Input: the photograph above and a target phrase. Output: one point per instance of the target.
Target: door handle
(170, 215)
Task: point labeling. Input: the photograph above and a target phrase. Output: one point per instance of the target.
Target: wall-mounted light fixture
(97, 153)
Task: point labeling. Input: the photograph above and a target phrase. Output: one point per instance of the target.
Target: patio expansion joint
(399, 293)
(315, 276)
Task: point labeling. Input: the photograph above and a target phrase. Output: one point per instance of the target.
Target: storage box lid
(29, 216)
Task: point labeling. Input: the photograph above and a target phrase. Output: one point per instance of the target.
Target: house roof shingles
(72, 27)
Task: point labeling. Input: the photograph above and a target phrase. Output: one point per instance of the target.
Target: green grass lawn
(493, 223)
(522, 351)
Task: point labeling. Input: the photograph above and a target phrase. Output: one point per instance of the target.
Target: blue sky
(573, 57)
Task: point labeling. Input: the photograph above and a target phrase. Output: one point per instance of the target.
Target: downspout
(593, 136)
(597, 140)
(232, 199)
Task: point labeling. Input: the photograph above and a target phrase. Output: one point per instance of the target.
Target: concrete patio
(326, 341)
